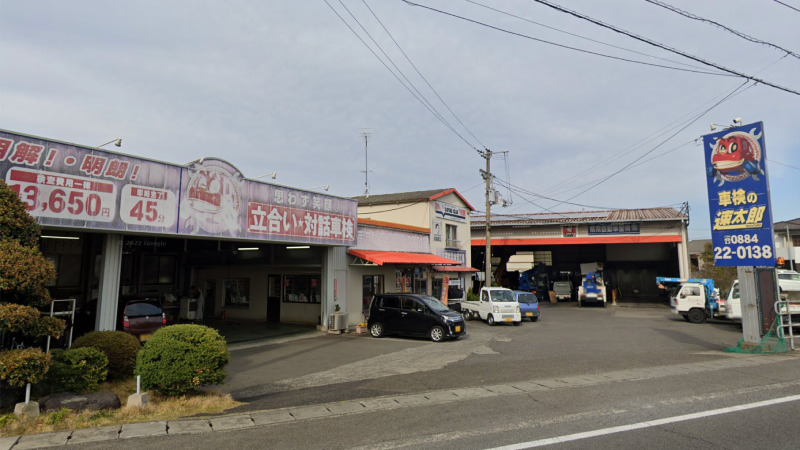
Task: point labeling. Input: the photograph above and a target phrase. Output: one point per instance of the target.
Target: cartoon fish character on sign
(735, 157)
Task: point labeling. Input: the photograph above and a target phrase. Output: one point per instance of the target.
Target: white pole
(27, 393)
(138, 384)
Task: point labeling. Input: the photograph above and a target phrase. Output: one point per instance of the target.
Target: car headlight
(450, 319)
(518, 310)
(496, 309)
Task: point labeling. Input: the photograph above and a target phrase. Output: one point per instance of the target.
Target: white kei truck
(495, 305)
(788, 289)
(695, 299)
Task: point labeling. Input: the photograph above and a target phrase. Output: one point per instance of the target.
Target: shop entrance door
(274, 298)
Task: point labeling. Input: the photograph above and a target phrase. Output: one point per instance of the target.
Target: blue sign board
(738, 197)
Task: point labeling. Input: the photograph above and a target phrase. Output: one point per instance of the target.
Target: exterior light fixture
(247, 249)
(117, 142)
(324, 186)
(272, 175)
(296, 247)
(72, 238)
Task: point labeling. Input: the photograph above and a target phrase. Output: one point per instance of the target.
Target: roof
(792, 224)
(698, 246)
(392, 225)
(380, 257)
(408, 197)
(572, 217)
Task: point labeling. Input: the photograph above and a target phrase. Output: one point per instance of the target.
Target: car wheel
(516, 324)
(467, 315)
(437, 333)
(376, 330)
(490, 320)
(696, 315)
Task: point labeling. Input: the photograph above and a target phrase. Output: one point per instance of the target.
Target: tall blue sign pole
(738, 197)
(741, 216)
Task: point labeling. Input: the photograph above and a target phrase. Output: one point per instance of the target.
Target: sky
(578, 116)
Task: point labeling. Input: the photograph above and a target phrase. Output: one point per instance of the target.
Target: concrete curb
(360, 406)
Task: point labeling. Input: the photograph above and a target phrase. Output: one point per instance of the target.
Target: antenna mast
(366, 162)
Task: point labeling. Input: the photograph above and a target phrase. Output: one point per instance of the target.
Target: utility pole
(487, 175)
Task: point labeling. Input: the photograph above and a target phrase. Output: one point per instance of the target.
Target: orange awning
(454, 269)
(381, 257)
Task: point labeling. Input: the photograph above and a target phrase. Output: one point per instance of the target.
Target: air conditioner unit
(337, 321)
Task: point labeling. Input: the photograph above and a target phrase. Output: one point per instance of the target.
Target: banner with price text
(738, 197)
(70, 186)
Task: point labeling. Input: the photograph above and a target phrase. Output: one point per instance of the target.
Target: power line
(429, 108)
(788, 6)
(728, 29)
(420, 96)
(660, 144)
(420, 74)
(578, 35)
(664, 47)
(561, 45)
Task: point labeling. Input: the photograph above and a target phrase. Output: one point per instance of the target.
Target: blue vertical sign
(738, 197)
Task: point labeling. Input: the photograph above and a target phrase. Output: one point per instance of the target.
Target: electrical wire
(410, 3)
(728, 29)
(420, 74)
(578, 35)
(788, 6)
(664, 47)
(627, 166)
(429, 108)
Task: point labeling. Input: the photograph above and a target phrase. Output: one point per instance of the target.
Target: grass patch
(161, 407)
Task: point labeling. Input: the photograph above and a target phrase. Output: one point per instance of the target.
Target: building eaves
(408, 197)
(574, 217)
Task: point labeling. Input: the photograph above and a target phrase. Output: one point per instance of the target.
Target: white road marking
(647, 424)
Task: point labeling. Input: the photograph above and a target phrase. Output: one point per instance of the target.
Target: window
(371, 285)
(451, 238)
(545, 257)
(237, 292)
(301, 289)
(158, 269)
(390, 302)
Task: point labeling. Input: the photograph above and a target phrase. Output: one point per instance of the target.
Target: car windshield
(527, 298)
(434, 304)
(789, 276)
(141, 309)
(502, 295)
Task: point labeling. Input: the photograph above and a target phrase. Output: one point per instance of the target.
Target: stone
(138, 400)
(30, 409)
(92, 401)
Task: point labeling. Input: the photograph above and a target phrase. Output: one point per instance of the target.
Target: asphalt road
(619, 377)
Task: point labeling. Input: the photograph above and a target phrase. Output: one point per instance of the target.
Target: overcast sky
(288, 87)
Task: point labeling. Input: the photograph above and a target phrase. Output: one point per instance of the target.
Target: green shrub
(472, 296)
(76, 370)
(121, 349)
(180, 358)
(19, 367)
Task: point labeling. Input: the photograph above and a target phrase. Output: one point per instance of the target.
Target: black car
(414, 315)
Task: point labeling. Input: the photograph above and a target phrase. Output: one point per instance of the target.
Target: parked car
(528, 305)
(142, 318)
(413, 315)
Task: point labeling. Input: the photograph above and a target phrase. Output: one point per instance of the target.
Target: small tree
(723, 276)
(24, 274)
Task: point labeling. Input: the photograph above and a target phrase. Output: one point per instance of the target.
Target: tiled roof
(407, 197)
(698, 246)
(793, 224)
(617, 215)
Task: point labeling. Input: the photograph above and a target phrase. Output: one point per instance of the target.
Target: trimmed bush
(180, 358)
(76, 370)
(19, 367)
(121, 349)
